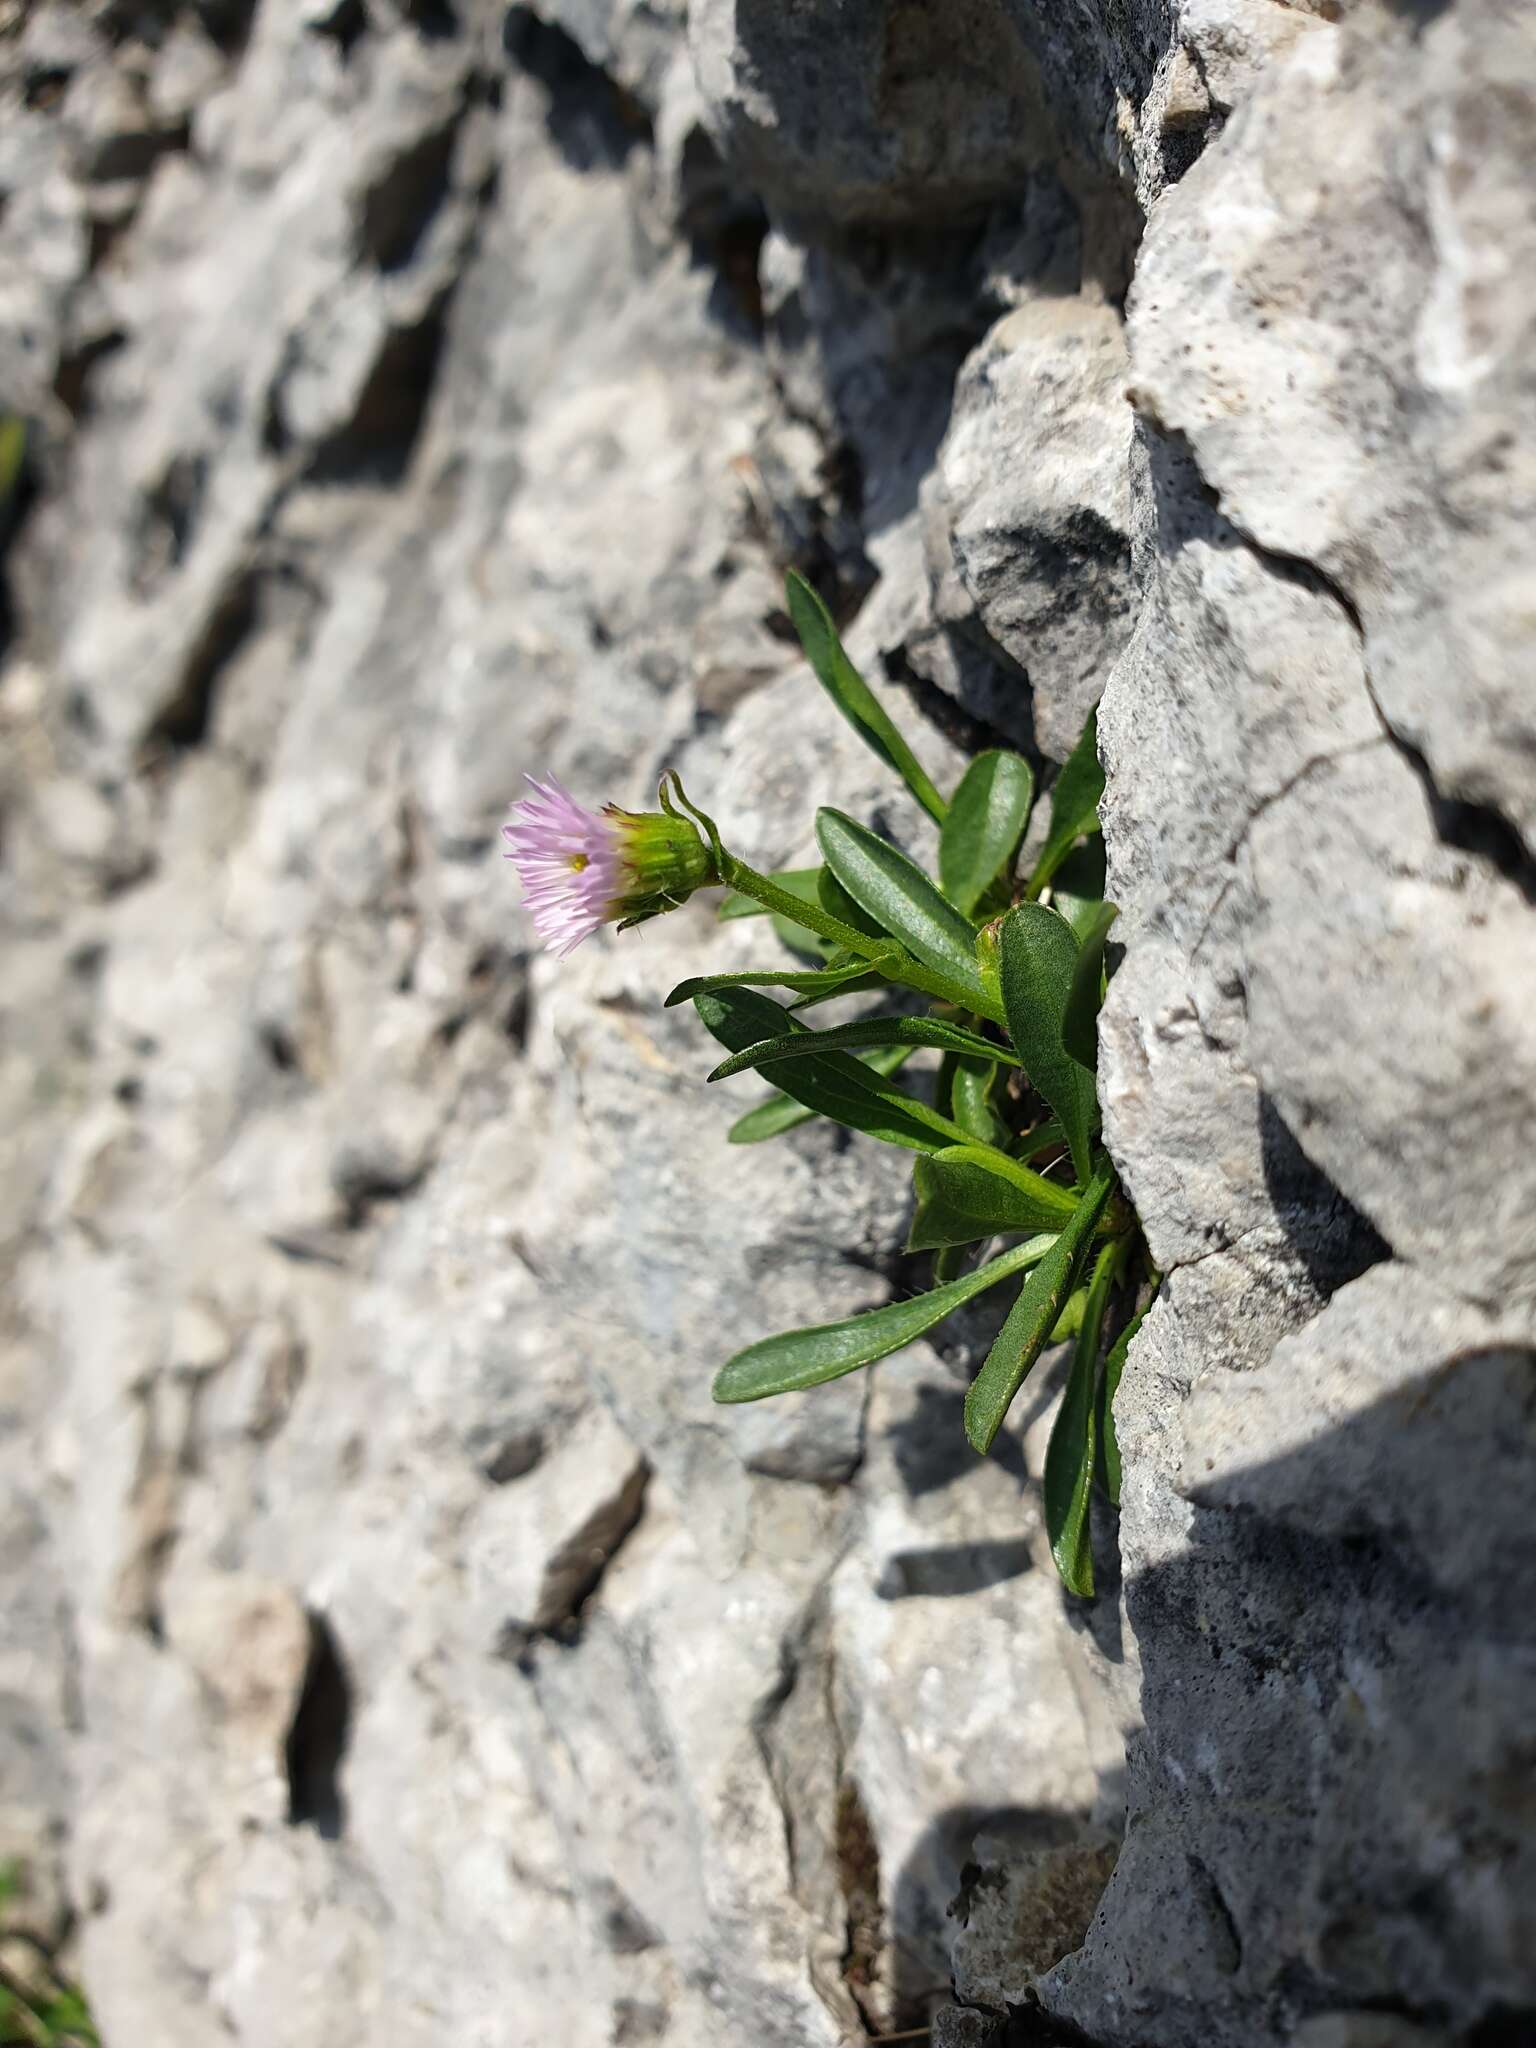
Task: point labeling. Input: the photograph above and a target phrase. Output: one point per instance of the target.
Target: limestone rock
(401, 1644)
(1400, 466)
(1281, 1576)
(540, 1548)
(1034, 493)
(875, 110)
(1024, 1906)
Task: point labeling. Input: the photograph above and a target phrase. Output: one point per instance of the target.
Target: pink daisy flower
(568, 861)
(582, 868)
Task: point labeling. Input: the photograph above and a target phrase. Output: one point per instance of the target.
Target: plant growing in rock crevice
(1012, 966)
(39, 2007)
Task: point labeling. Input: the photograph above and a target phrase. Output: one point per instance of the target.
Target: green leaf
(13, 448)
(833, 1084)
(865, 1031)
(961, 1203)
(817, 981)
(987, 816)
(1070, 1321)
(951, 1260)
(798, 881)
(779, 1112)
(805, 1358)
(858, 987)
(1080, 1022)
(1074, 804)
(1032, 1318)
(835, 898)
(1109, 1442)
(1077, 887)
(962, 1195)
(1039, 957)
(971, 1086)
(902, 900)
(1069, 1457)
(797, 938)
(852, 695)
(1024, 1178)
(68, 2013)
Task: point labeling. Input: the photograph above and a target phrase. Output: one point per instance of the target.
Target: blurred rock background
(398, 1645)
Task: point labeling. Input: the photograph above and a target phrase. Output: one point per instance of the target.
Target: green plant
(38, 2007)
(13, 449)
(1012, 970)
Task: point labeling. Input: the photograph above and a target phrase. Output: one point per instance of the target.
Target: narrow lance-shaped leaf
(901, 899)
(833, 1084)
(1080, 1023)
(835, 897)
(1070, 1321)
(892, 960)
(959, 1199)
(987, 816)
(779, 1112)
(1024, 1178)
(1109, 1442)
(1032, 1318)
(971, 1100)
(1069, 1457)
(1039, 957)
(865, 1031)
(847, 980)
(1074, 805)
(805, 1358)
(852, 695)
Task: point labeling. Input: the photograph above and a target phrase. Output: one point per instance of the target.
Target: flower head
(582, 868)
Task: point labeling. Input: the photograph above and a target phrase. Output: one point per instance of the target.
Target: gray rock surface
(400, 1645)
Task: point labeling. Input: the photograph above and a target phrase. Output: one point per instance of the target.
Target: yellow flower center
(579, 861)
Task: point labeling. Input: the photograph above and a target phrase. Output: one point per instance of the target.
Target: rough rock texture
(399, 1644)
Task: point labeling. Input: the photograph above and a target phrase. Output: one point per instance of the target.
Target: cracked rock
(540, 1546)
(422, 394)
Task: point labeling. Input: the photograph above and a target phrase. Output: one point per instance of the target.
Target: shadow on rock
(1024, 1883)
(1331, 1808)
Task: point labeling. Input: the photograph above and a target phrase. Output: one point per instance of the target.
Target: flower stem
(887, 955)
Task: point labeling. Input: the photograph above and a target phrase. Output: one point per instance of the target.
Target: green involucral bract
(985, 953)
